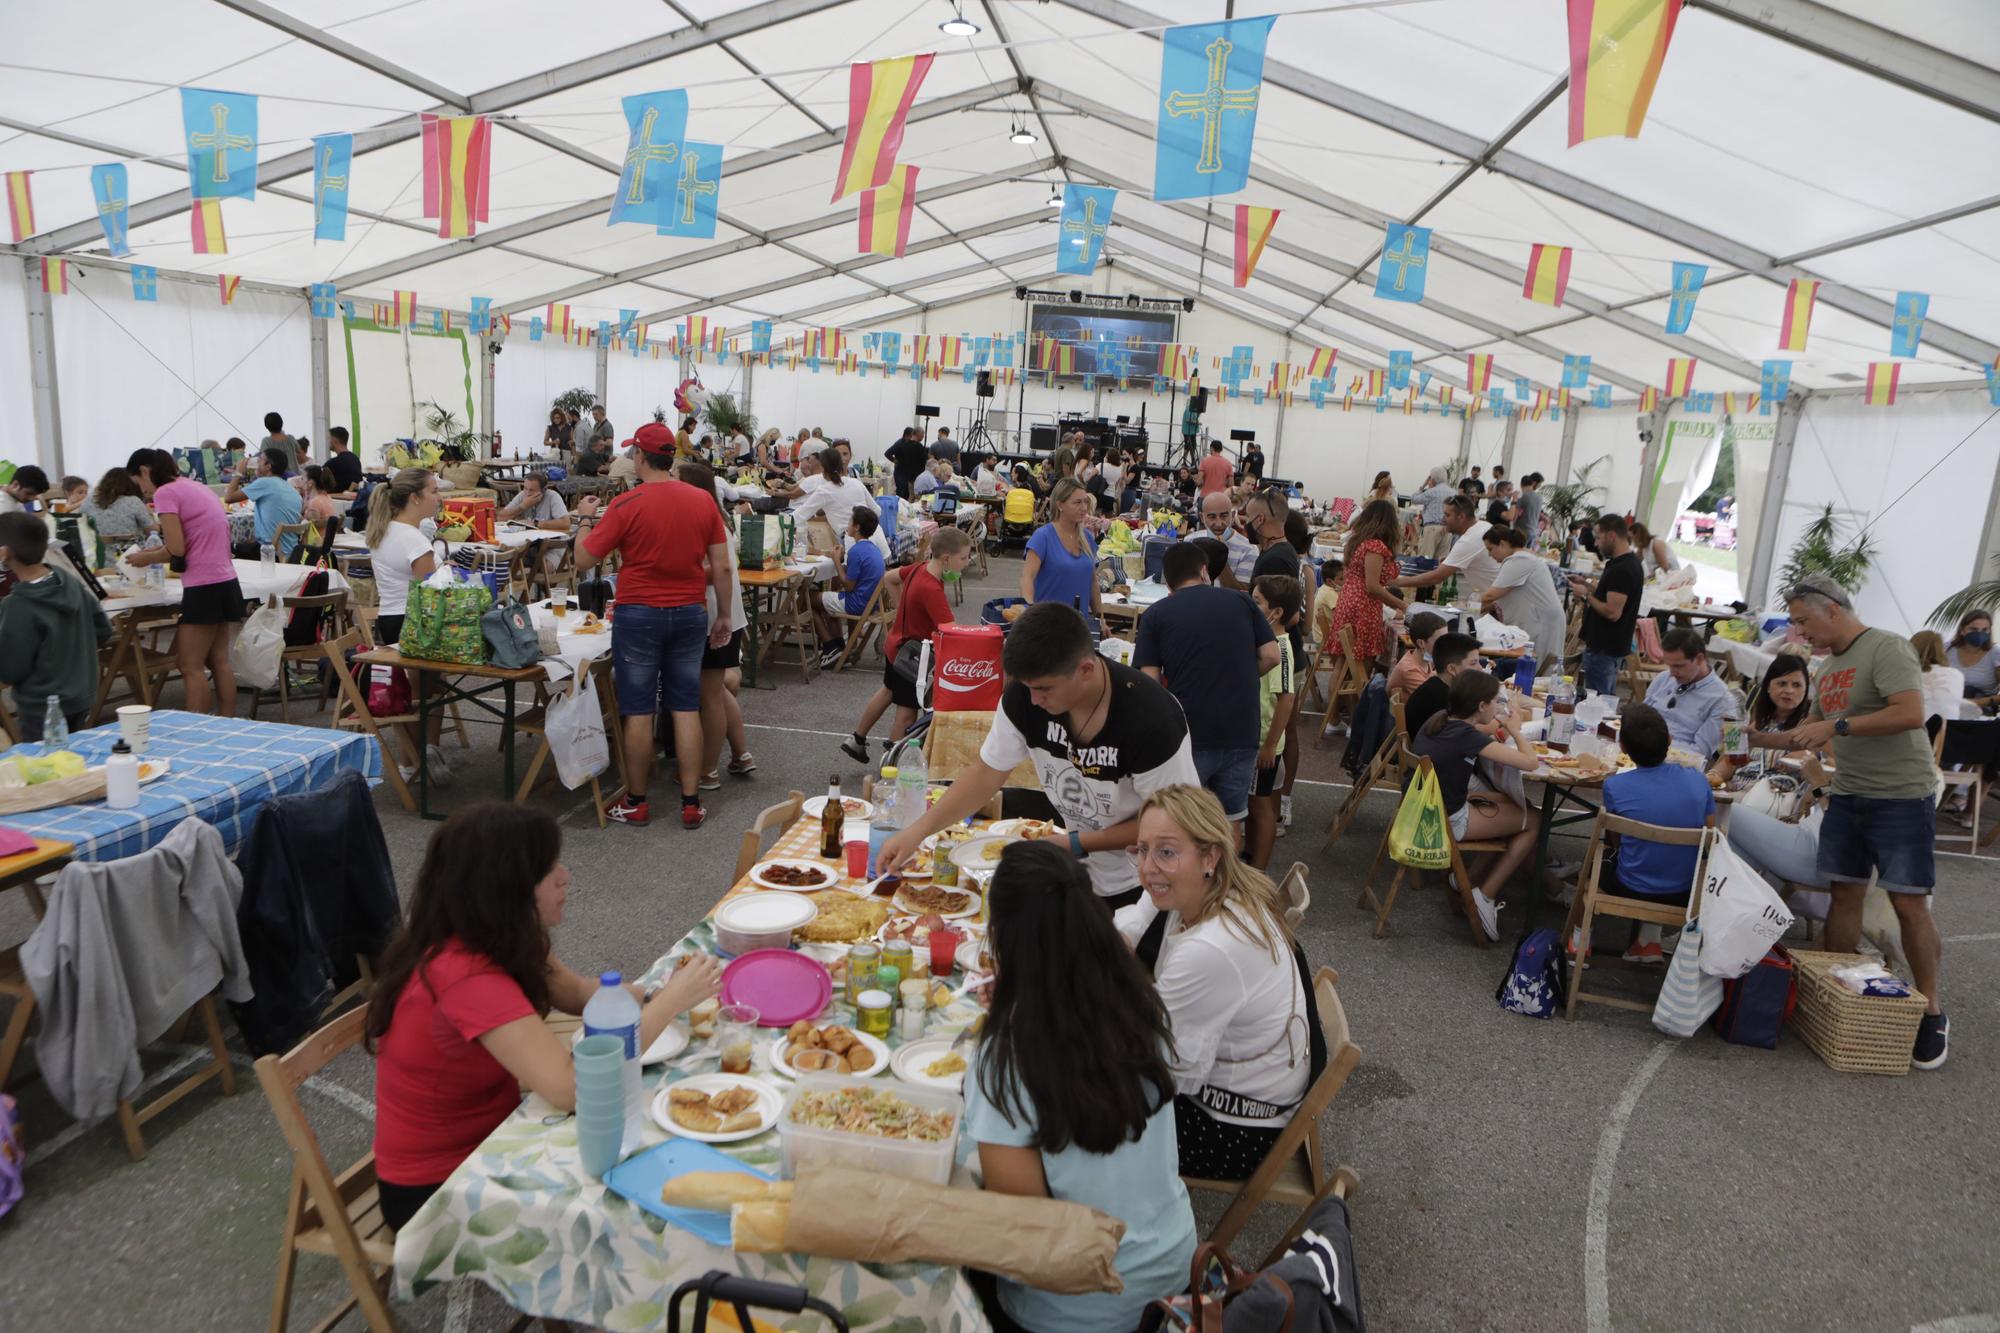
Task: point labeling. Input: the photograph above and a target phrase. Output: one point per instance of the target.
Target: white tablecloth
(503, 535)
(281, 581)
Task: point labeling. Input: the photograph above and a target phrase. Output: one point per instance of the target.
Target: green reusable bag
(1417, 837)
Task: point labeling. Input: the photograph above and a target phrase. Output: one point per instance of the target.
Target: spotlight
(1021, 134)
(1187, 304)
(1055, 197)
(1132, 301)
(958, 25)
(1076, 297)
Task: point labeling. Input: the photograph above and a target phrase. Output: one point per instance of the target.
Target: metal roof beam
(1575, 190)
(901, 289)
(346, 50)
(572, 74)
(826, 307)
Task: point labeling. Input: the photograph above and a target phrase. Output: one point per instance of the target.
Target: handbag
(764, 541)
(1742, 916)
(1417, 837)
(1214, 1280)
(510, 636)
(445, 617)
(594, 594)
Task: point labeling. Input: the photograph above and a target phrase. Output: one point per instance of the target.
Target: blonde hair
(390, 499)
(950, 541)
(1242, 895)
(1063, 489)
(1930, 648)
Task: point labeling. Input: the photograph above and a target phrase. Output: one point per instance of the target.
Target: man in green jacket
(50, 630)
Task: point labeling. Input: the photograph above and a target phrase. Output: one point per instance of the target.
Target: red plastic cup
(944, 950)
(857, 858)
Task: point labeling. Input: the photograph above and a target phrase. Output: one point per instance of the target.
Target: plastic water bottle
(913, 782)
(121, 778)
(55, 726)
(614, 1012)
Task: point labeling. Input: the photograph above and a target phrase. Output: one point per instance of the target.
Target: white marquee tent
(1856, 142)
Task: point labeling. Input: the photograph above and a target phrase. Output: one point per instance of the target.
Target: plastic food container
(897, 1157)
(761, 920)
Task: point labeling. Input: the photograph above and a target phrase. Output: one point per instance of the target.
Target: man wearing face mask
(921, 607)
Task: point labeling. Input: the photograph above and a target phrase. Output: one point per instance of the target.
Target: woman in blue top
(1107, 1140)
(1062, 557)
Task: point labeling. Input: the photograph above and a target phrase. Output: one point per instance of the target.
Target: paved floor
(1516, 1174)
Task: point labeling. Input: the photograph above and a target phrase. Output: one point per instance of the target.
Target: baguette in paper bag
(840, 1213)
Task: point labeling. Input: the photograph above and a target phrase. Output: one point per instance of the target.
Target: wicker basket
(1854, 1034)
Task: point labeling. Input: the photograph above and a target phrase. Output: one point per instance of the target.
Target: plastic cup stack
(600, 1102)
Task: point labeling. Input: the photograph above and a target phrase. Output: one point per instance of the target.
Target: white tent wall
(173, 372)
(17, 390)
(381, 381)
(1612, 433)
(1920, 475)
(635, 385)
(529, 376)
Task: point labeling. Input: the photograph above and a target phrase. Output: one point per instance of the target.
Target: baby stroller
(1017, 517)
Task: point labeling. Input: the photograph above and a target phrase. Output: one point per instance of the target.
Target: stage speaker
(1199, 402)
(984, 388)
(926, 410)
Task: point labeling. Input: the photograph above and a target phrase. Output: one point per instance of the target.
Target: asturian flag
(1906, 332)
(1211, 79)
(480, 315)
(1406, 252)
(1576, 372)
(107, 186)
(879, 96)
(1616, 49)
(1086, 216)
(333, 168)
(1600, 396)
(760, 337)
(145, 282)
(221, 133)
(688, 208)
(1777, 384)
(1688, 279)
(656, 124)
(1253, 228)
(324, 299)
(1399, 369)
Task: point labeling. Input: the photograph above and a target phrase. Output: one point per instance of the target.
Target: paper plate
(911, 1057)
(782, 986)
(971, 908)
(673, 1039)
(783, 1066)
(856, 807)
(973, 855)
(768, 1105)
(1026, 829)
(760, 874)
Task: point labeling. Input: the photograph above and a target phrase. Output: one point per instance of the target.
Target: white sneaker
(1284, 815)
(1489, 914)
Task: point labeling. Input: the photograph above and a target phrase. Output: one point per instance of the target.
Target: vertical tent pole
(1777, 480)
(322, 412)
(486, 371)
(1654, 425)
(1465, 433)
(1278, 431)
(42, 370)
(1989, 546)
(1568, 449)
(1507, 440)
(603, 370)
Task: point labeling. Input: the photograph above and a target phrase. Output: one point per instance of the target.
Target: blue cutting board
(641, 1177)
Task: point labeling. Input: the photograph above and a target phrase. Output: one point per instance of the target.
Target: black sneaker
(1933, 1042)
(855, 748)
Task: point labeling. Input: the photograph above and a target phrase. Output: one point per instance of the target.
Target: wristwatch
(1076, 844)
(1840, 727)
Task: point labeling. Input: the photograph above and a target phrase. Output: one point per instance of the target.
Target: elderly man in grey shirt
(1436, 541)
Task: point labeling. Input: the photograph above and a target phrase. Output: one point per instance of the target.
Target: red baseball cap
(652, 438)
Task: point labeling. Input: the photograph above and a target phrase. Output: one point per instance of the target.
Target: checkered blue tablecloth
(223, 770)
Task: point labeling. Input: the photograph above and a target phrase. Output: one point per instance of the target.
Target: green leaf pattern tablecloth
(521, 1216)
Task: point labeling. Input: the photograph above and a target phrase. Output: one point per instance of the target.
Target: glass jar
(874, 1009)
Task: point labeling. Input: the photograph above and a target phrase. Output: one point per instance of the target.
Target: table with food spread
(841, 1068)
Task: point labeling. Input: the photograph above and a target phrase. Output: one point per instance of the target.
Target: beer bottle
(832, 821)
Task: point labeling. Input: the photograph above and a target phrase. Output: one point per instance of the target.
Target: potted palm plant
(1819, 551)
(728, 420)
(1566, 502)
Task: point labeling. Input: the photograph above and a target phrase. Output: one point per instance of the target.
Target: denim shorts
(1600, 672)
(656, 657)
(1891, 836)
(1228, 774)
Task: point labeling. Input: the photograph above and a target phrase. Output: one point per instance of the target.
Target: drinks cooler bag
(967, 673)
(474, 512)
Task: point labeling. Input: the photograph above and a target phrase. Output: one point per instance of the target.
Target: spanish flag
(1253, 229)
(205, 224)
(694, 332)
(1375, 382)
(1649, 400)
(55, 276)
(558, 321)
(1478, 371)
(718, 341)
(885, 213)
(1799, 298)
(1319, 365)
(227, 283)
(405, 309)
(1882, 376)
(458, 154)
(949, 353)
(1548, 274)
(1680, 376)
(1444, 397)
(879, 96)
(20, 205)
(920, 349)
(1616, 49)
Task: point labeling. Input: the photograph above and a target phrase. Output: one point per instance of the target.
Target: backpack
(1757, 1005)
(302, 630)
(1534, 984)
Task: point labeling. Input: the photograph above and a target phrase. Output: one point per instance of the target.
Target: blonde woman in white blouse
(1227, 972)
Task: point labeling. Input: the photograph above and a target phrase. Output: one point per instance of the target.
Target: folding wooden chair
(1970, 781)
(543, 577)
(1350, 677)
(1415, 766)
(791, 625)
(875, 619)
(1592, 901)
(337, 1215)
(141, 665)
(1384, 767)
(534, 722)
(131, 1117)
(301, 535)
(1294, 1171)
(364, 617)
(350, 712)
(333, 607)
(780, 817)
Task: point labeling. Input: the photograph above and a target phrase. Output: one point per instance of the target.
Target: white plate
(1016, 828)
(769, 1104)
(759, 877)
(972, 855)
(911, 1057)
(818, 803)
(148, 769)
(967, 956)
(673, 1039)
(875, 1044)
(970, 909)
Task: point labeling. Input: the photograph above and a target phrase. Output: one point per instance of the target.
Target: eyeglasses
(1679, 690)
(1167, 858)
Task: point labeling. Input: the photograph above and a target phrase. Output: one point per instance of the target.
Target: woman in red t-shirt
(456, 1017)
(920, 608)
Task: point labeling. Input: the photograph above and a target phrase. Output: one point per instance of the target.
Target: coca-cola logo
(967, 673)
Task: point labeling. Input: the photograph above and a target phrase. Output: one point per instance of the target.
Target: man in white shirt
(1218, 515)
(1467, 558)
(29, 485)
(1690, 696)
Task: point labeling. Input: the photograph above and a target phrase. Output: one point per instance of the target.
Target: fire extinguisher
(496, 444)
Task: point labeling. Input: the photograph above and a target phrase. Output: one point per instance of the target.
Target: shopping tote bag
(1689, 994)
(1742, 916)
(1417, 837)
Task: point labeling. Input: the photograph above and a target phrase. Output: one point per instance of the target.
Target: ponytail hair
(390, 499)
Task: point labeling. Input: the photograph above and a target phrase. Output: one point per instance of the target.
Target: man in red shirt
(1216, 472)
(663, 530)
(920, 608)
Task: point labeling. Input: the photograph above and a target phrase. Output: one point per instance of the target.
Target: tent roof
(1842, 140)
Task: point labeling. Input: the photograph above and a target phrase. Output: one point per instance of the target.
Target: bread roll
(759, 1227)
(715, 1191)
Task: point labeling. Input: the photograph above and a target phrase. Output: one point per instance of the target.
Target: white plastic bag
(575, 729)
(258, 651)
(1742, 916)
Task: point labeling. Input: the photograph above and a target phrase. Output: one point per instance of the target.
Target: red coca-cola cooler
(965, 674)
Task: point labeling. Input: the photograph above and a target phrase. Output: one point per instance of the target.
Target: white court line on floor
(146, 1085)
(1961, 1323)
(1971, 939)
(346, 1096)
(1596, 1217)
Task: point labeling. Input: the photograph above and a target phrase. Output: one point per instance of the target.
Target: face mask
(1979, 638)
(949, 576)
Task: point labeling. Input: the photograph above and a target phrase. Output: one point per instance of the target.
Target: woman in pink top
(195, 528)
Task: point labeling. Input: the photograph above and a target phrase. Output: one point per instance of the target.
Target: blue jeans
(1228, 774)
(1889, 835)
(1600, 672)
(656, 657)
